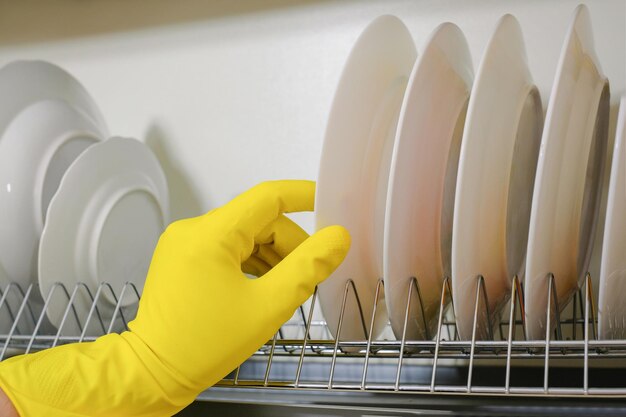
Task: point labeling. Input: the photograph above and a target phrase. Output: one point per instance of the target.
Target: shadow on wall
(184, 201)
(28, 21)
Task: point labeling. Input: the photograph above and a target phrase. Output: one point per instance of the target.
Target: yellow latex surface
(199, 317)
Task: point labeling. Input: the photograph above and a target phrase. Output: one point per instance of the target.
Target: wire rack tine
(421, 306)
(448, 282)
(137, 295)
(445, 288)
(303, 315)
(14, 326)
(522, 306)
(581, 307)
(116, 300)
(574, 318)
(339, 328)
(268, 368)
(20, 291)
(483, 289)
(557, 309)
(589, 317)
(39, 321)
(70, 307)
(92, 309)
(118, 307)
(304, 339)
(304, 322)
(480, 292)
(380, 285)
(5, 303)
(236, 378)
(360, 307)
(552, 304)
(413, 286)
(509, 347)
(117, 311)
(589, 298)
(94, 302)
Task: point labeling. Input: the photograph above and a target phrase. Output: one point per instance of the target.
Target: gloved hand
(199, 316)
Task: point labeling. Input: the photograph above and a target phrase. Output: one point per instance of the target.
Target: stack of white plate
(74, 207)
(437, 174)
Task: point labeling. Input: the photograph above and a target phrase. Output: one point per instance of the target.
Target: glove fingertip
(322, 253)
(335, 241)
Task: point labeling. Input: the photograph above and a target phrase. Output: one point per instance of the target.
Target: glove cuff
(117, 375)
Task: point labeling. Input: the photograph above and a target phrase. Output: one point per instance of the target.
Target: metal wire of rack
(569, 361)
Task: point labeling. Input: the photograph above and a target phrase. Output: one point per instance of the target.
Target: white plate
(418, 224)
(23, 83)
(35, 150)
(102, 226)
(495, 178)
(611, 306)
(354, 169)
(33, 158)
(569, 171)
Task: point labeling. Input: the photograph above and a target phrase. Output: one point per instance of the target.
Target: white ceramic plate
(102, 226)
(354, 169)
(418, 224)
(569, 171)
(495, 178)
(35, 150)
(23, 83)
(611, 306)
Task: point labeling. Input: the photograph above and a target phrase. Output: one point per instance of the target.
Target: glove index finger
(251, 212)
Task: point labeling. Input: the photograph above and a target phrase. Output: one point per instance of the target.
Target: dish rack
(302, 356)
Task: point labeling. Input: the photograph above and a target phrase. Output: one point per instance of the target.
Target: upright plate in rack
(495, 179)
(354, 169)
(569, 172)
(102, 226)
(611, 306)
(36, 149)
(418, 224)
(46, 119)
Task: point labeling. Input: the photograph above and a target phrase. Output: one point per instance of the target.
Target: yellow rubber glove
(199, 316)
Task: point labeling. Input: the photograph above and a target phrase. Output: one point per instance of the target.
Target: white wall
(232, 93)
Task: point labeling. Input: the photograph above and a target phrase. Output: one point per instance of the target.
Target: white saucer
(418, 224)
(35, 150)
(354, 168)
(611, 306)
(495, 179)
(103, 225)
(569, 173)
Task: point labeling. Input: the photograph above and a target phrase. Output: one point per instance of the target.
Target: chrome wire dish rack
(302, 356)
